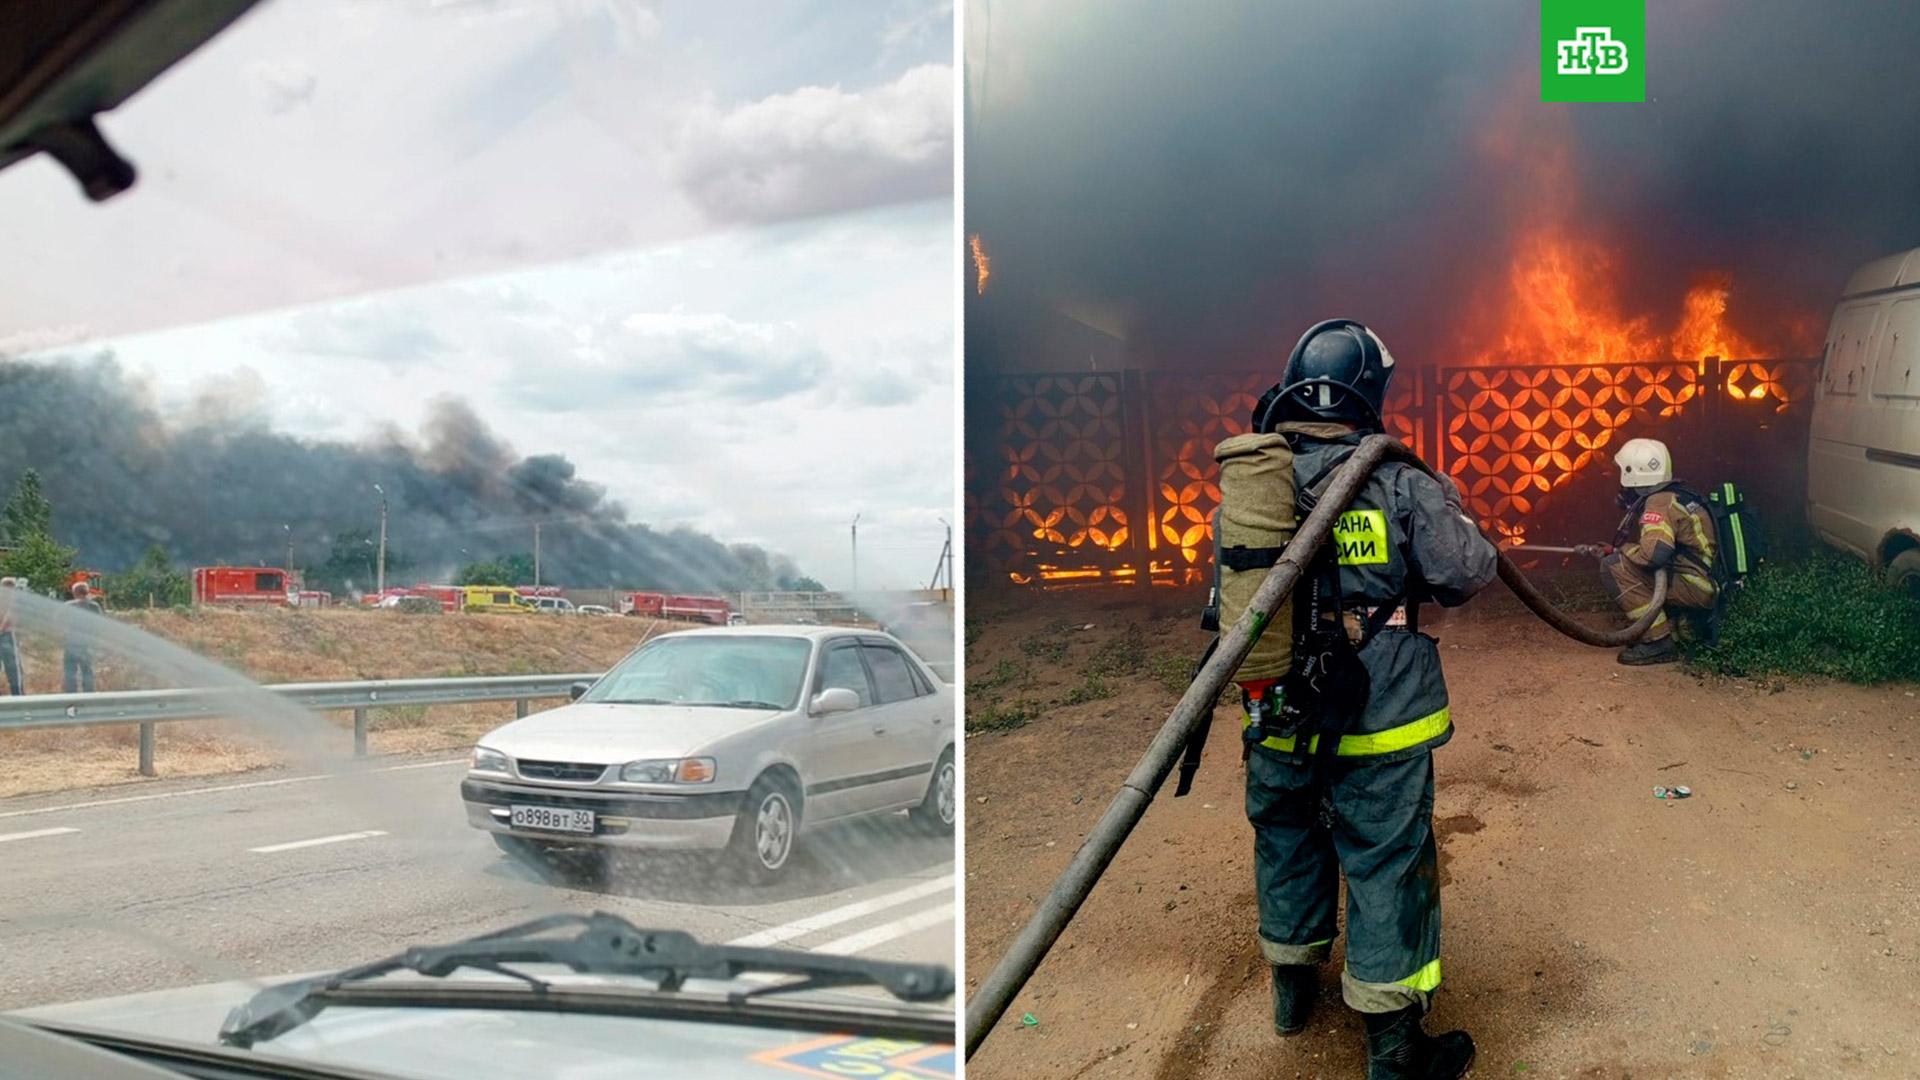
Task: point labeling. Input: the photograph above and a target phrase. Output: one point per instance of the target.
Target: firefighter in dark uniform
(1666, 527)
(1367, 807)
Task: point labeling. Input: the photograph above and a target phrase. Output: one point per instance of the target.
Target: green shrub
(995, 716)
(1825, 615)
(1003, 673)
(1093, 689)
(1124, 655)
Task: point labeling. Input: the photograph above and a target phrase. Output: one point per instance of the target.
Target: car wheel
(936, 812)
(1904, 571)
(767, 830)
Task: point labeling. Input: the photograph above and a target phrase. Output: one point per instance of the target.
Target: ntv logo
(1592, 51)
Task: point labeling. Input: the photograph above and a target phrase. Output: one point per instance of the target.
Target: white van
(1863, 454)
(551, 605)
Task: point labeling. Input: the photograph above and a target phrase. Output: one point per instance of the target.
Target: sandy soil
(302, 646)
(1767, 927)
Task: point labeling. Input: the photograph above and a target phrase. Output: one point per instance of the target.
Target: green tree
(45, 564)
(514, 569)
(352, 563)
(489, 572)
(151, 580)
(28, 513)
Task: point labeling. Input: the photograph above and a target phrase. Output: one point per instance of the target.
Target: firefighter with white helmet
(1666, 527)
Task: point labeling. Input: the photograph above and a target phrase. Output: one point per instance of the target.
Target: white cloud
(821, 149)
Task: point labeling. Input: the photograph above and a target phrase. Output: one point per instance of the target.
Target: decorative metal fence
(1110, 476)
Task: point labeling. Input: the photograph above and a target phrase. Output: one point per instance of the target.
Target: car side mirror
(835, 699)
(576, 690)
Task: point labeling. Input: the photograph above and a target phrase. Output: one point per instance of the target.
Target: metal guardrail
(148, 707)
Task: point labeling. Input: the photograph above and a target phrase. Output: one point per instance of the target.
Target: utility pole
(944, 564)
(289, 531)
(380, 575)
(536, 554)
(856, 553)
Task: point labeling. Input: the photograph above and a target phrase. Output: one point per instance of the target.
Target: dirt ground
(1769, 926)
(276, 646)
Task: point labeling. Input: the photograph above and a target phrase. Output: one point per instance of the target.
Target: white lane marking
(224, 787)
(885, 932)
(317, 841)
(4, 837)
(835, 916)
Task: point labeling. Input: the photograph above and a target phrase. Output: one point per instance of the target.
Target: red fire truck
(646, 604)
(537, 590)
(707, 609)
(243, 586)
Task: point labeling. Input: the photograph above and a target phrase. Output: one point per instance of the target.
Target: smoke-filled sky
(1212, 178)
(697, 256)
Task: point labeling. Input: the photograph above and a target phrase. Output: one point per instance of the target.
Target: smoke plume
(219, 485)
(1219, 176)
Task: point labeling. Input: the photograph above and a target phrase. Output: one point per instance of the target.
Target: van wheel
(1904, 572)
(767, 831)
(936, 812)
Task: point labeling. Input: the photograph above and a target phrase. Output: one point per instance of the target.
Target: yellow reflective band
(1424, 980)
(1431, 726)
(1662, 529)
(1360, 536)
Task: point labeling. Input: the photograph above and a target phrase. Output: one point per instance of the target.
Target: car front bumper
(696, 822)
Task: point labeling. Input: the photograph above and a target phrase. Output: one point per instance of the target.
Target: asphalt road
(179, 883)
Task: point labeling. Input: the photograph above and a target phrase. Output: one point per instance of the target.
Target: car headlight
(697, 770)
(485, 760)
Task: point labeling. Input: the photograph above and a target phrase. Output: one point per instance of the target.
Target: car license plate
(552, 818)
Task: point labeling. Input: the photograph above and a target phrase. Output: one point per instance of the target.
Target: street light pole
(289, 531)
(380, 575)
(536, 554)
(856, 552)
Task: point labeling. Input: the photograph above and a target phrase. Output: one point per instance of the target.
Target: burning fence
(1110, 476)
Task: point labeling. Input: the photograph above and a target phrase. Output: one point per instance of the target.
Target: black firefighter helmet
(1338, 371)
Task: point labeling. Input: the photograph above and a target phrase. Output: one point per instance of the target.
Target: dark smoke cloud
(1226, 173)
(218, 486)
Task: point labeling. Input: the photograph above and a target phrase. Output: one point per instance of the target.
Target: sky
(705, 251)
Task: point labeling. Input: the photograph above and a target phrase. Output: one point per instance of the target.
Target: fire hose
(1070, 890)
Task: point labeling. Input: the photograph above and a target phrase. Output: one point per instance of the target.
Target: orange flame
(983, 266)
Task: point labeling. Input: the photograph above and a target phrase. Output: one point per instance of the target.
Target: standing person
(1357, 796)
(9, 644)
(78, 662)
(1667, 527)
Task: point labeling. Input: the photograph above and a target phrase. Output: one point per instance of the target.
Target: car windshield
(746, 672)
(417, 317)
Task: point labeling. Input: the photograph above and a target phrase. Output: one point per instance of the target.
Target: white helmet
(1644, 463)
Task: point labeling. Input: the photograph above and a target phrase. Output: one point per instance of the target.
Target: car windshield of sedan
(741, 672)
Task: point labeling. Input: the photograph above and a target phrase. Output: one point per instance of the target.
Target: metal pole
(146, 749)
(380, 575)
(856, 553)
(520, 709)
(996, 992)
(536, 554)
(359, 733)
(289, 530)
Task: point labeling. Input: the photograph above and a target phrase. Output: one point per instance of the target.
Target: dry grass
(304, 646)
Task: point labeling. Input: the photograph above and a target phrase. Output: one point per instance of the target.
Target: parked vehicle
(593, 609)
(241, 586)
(706, 609)
(647, 604)
(734, 739)
(494, 599)
(1863, 453)
(531, 591)
(551, 605)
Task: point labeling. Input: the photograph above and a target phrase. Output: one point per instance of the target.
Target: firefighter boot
(1658, 651)
(1294, 987)
(1397, 1048)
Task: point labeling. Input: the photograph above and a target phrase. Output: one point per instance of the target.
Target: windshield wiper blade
(606, 944)
(633, 701)
(743, 703)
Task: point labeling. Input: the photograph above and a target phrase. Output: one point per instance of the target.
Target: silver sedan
(737, 739)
